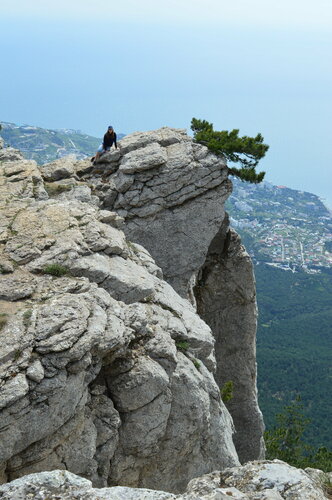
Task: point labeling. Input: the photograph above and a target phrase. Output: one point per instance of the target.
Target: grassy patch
(226, 392)
(27, 318)
(56, 270)
(197, 364)
(182, 345)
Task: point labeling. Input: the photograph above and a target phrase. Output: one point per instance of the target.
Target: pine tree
(285, 441)
(245, 150)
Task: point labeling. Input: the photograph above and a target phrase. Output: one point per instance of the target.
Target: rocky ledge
(264, 480)
(107, 370)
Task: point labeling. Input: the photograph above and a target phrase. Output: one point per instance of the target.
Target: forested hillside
(291, 231)
(294, 346)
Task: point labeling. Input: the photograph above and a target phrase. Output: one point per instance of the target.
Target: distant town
(282, 227)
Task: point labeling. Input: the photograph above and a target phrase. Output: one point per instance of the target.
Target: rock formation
(255, 481)
(226, 300)
(106, 369)
(172, 194)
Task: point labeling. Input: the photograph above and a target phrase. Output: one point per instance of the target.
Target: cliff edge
(106, 368)
(172, 193)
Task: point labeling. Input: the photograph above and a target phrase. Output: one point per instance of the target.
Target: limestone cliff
(171, 193)
(106, 369)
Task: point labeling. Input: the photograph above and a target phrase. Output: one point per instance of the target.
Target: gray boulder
(59, 169)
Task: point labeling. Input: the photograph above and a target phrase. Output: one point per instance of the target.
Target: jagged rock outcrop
(171, 193)
(168, 189)
(226, 300)
(255, 481)
(105, 370)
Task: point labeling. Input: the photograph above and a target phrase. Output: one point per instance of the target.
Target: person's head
(110, 129)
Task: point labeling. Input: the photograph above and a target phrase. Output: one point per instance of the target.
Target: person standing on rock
(108, 141)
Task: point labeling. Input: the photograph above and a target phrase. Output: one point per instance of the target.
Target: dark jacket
(109, 140)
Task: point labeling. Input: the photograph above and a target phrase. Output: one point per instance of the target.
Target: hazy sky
(257, 65)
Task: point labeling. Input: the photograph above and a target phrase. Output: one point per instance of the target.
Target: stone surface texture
(168, 189)
(227, 279)
(106, 371)
(171, 194)
(255, 481)
(59, 169)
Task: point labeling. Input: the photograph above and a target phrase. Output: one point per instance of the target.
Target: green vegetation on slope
(286, 440)
(292, 230)
(294, 346)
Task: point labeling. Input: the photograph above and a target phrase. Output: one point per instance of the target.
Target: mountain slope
(294, 346)
(288, 235)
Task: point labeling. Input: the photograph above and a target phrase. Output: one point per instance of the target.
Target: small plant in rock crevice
(197, 364)
(56, 270)
(168, 308)
(27, 318)
(182, 345)
(226, 391)
(149, 298)
(132, 247)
